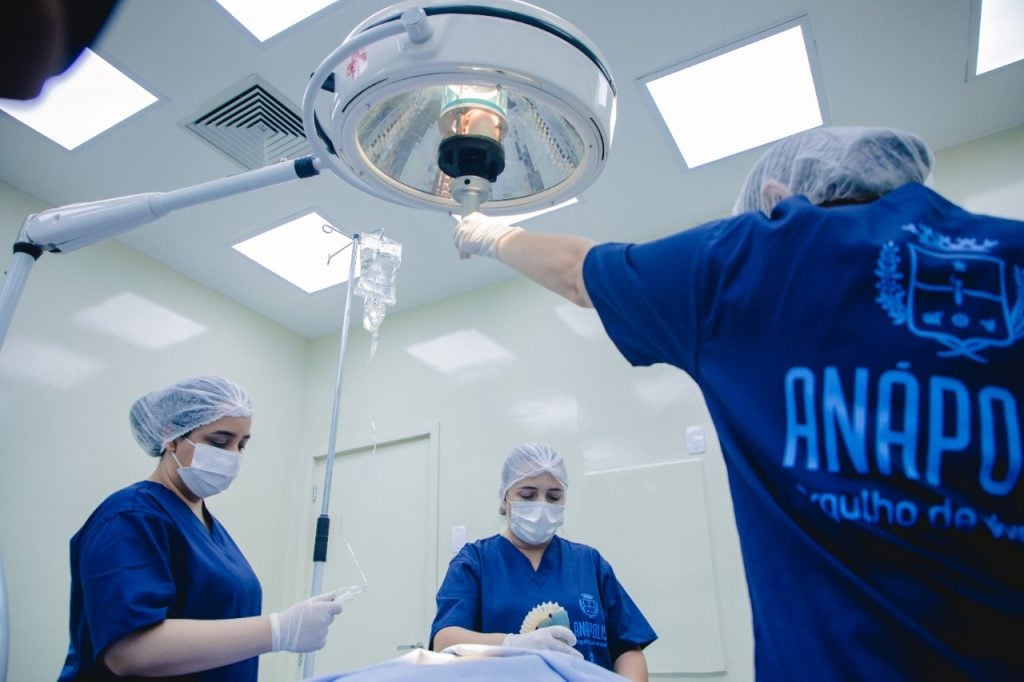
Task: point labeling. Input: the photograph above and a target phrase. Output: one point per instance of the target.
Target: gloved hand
(478, 235)
(303, 627)
(554, 638)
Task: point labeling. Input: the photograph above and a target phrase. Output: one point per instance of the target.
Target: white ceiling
(880, 62)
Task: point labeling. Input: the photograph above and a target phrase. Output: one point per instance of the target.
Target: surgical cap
(159, 417)
(529, 460)
(837, 164)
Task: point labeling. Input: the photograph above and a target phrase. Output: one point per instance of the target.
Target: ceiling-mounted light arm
(74, 226)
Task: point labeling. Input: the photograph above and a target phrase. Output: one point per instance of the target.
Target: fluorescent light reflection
(90, 97)
(265, 19)
(463, 356)
(739, 100)
(522, 217)
(1000, 34)
(302, 251)
(46, 364)
(661, 390)
(557, 412)
(138, 321)
(583, 322)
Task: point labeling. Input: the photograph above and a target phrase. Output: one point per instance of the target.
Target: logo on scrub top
(957, 293)
(589, 605)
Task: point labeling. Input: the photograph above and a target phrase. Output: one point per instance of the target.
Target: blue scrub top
(491, 586)
(864, 369)
(142, 557)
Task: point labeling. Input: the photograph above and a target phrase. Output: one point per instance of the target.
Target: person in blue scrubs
(159, 590)
(857, 338)
(497, 590)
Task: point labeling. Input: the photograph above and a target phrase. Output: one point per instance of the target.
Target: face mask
(535, 522)
(212, 469)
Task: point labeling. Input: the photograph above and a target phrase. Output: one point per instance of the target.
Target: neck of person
(532, 552)
(166, 475)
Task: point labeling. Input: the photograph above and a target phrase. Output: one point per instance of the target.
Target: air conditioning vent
(252, 124)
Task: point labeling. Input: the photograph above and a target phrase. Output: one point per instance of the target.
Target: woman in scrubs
(158, 587)
(497, 589)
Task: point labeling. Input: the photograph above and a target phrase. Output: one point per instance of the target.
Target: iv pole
(323, 522)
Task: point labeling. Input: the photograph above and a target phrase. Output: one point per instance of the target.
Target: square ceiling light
(305, 251)
(997, 34)
(97, 93)
(740, 97)
(266, 19)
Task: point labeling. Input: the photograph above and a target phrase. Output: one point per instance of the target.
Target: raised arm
(553, 261)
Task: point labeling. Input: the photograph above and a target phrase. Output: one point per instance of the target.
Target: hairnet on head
(837, 164)
(159, 417)
(528, 460)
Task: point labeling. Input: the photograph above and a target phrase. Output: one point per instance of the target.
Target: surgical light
(505, 107)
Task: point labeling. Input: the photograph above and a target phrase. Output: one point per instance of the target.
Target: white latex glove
(478, 235)
(303, 627)
(553, 638)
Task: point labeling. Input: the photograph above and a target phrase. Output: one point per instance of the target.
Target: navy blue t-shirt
(142, 557)
(863, 368)
(491, 586)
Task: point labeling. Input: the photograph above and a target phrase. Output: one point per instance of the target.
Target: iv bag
(379, 258)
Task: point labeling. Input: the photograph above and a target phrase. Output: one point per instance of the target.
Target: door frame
(430, 431)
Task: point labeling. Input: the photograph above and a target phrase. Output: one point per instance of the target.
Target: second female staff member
(493, 584)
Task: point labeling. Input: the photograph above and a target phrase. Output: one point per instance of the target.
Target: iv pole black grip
(323, 524)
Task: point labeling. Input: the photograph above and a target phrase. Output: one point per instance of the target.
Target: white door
(384, 502)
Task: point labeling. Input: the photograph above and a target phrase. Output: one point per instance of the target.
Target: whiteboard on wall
(651, 524)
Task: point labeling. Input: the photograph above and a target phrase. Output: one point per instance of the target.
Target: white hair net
(159, 417)
(836, 164)
(528, 460)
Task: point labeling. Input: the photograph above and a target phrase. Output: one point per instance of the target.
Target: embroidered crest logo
(957, 293)
(589, 605)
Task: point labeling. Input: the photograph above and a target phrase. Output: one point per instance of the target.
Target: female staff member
(493, 584)
(158, 587)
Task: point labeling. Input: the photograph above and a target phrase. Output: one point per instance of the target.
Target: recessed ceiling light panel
(99, 95)
(739, 97)
(506, 92)
(997, 34)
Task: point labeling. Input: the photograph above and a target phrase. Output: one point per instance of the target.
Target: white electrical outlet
(695, 440)
(458, 538)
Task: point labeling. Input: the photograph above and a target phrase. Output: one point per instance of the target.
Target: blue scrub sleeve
(125, 571)
(458, 600)
(626, 624)
(647, 294)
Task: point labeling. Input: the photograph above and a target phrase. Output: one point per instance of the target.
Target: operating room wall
(96, 329)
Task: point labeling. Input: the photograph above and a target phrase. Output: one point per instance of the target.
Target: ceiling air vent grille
(252, 124)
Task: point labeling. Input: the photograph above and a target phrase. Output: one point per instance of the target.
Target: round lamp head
(452, 104)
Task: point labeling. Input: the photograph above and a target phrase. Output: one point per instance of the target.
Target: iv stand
(323, 522)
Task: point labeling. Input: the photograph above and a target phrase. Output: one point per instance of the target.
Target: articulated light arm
(72, 227)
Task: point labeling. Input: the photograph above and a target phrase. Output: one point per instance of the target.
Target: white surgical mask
(212, 470)
(535, 522)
